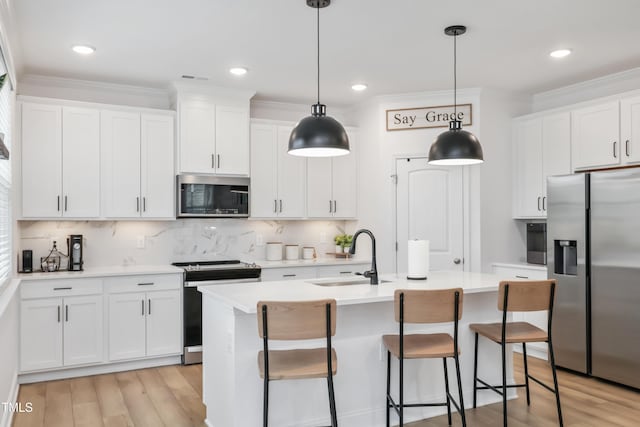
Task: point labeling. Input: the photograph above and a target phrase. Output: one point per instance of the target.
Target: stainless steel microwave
(203, 196)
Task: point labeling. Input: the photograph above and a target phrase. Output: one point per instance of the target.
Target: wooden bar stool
(425, 306)
(518, 296)
(297, 320)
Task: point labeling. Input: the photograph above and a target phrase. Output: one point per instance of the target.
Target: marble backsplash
(109, 243)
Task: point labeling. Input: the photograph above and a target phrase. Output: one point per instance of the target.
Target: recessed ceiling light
(83, 49)
(359, 87)
(560, 53)
(238, 71)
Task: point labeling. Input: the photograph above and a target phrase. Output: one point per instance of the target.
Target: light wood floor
(172, 396)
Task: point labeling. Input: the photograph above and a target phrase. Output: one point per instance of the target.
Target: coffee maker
(74, 247)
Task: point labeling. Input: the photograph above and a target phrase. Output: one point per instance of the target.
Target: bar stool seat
(298, 364)
(421, 346)
(517, 332)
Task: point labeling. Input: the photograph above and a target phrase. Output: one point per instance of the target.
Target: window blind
(5, 185)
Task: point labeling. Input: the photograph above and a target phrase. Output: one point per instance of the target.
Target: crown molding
(420, 96)
(68, 83)
(599, 87)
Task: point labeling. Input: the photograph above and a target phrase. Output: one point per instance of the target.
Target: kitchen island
(232, 388)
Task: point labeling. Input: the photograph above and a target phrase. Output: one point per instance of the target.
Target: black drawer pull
(346, 272)
(522, 277)
(289, 275)
(146, 284)
(63, 289)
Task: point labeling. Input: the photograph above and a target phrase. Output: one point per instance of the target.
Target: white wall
(501, 239)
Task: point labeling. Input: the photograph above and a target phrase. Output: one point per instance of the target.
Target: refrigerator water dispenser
(566, 257)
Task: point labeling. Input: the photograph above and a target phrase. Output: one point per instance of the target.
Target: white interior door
(429, 206)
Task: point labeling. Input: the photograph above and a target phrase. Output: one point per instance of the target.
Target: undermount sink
(333, 281)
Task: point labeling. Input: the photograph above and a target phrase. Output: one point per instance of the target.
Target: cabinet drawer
(143, 283)
(293, 273)
(59, 288)
(519, 273)
(342, 270)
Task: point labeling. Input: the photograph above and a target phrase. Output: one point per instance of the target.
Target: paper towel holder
(421, 274)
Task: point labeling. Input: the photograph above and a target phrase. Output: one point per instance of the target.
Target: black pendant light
(455, 146)
(318, 135)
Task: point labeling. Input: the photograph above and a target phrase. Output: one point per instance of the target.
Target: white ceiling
(394, 46)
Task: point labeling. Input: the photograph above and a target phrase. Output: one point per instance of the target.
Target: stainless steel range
(206, 273)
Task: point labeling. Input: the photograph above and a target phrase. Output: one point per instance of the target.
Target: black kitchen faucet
(373, 274)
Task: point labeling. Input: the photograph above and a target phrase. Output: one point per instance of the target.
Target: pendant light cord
(455, 79)
(318, 33)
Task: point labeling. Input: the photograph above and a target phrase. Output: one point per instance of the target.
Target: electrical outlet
(259, 240)
(323, 237)
(56, 239)
(140, 242)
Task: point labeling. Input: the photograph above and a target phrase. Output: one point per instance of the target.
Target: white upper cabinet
(232, 140)
(331, 185)
(157, 185)
(595, 136)
(542, 148)
(60, 161)
(137, 165)
(630, 130)
(277, 178)
(213, 138)
(41, 160)
(120, 163)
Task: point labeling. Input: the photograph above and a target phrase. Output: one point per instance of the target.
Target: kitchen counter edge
(133, 270)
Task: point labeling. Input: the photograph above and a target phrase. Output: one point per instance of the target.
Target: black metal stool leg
(460, 392)
(555, 383)
(265, 402)
(446, 387)
(332, 402)
(401, 404)
(504, 382)
(526, 371)
(388, 386)
(475, 372)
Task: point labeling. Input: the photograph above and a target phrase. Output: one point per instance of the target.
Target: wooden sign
(428, 117)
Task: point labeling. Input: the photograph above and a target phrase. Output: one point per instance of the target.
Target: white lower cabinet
(68, 323)
(144, 324)
(57, 332)
(536, 318)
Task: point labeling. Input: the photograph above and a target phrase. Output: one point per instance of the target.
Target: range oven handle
(193, 284)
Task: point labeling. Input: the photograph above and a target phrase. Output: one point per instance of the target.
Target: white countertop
(311, 262)
(245, 296)
(116, 270)
(521, 265)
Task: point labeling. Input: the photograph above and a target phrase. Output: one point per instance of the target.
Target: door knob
(456, 260)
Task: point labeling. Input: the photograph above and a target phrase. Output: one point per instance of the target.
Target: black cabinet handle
(63, 289)
(144, 204)
(275, 206)
(218, 161)
(626, 147)
(288, 275)
(280, 205)
(335, 206)
(213, 161)
(615, 156)
(146, 284)
(521, 277)
(330, 207)
(539, 204)
(66, 313)
(58, 314)
(65, 203)
(137, 204)
(544, 203)
(142, 301)
(58, 203)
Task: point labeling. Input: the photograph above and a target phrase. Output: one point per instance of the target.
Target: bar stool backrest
(531, 295)
(428, 306)
(297, 320)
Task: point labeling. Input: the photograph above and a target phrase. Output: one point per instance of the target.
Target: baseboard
(108, 368)
(538, 353)
(7, 416)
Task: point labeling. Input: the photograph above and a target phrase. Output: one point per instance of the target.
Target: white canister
(291, 252)
(274, 251)
(418, 259)
(308, 252)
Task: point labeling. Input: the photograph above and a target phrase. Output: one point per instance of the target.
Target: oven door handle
(193, 284)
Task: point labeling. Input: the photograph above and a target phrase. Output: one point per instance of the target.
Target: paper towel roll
(418, 259)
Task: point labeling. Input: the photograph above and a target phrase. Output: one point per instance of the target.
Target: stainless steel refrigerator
(593, 244)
